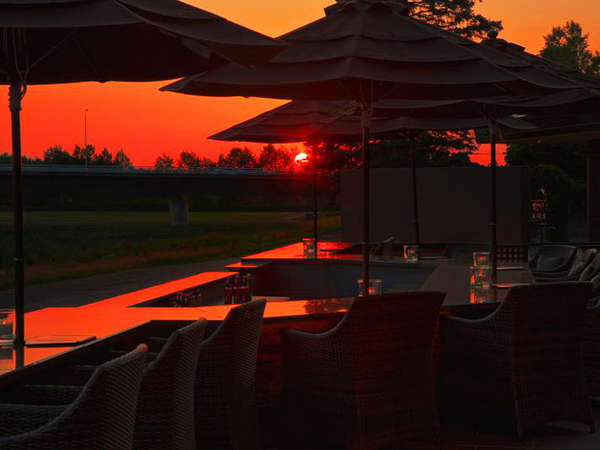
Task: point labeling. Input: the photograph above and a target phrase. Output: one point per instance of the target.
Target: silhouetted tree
(84, 155)
(569, 46)
(58, 155)
(104, 158)
(188, 159)
(164, 161)
(272, 158)
(457, 16)
(557, 163)
(191, 159)
(238, 158)
(6, 158)
(122, 160)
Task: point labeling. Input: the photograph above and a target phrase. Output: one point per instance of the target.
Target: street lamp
(85, 136)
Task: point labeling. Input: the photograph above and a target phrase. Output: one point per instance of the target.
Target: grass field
(62, 245)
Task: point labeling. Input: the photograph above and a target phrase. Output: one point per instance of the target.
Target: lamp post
(302, 159)
(85, 136)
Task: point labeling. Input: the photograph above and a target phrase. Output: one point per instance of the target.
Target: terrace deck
(111, 316)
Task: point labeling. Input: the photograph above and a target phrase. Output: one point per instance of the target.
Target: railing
(142, 170)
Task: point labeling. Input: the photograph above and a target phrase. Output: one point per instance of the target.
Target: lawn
(62, 245)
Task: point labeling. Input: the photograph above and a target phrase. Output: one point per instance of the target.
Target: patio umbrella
(339, 121)
(367, 50)
(63, 41)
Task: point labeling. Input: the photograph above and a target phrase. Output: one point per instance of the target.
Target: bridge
(62, 184)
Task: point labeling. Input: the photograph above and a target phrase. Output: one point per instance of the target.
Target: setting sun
(301, 158)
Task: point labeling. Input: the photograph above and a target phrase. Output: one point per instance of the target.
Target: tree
(457, 16)
(164, 161)
(57, 155)
(83, 155)
(122, 160)
(272, 158)
(237, 158)
(567, 45)
(560, 163)
(104, 158)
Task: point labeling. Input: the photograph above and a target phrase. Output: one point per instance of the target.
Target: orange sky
(145, 122)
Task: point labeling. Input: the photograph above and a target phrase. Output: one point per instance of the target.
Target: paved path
(91, 289)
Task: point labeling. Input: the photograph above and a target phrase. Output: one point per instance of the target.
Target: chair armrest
(557, 273)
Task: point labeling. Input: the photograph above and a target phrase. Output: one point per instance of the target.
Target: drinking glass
(309, 247)
(481, 259)
(411, 253)
(375, 287)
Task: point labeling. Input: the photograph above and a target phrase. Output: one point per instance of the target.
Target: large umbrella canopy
(371, 48)
(62, 41)
(339, 121)
(367, 50)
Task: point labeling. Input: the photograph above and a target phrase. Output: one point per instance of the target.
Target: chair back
(165, 414)
(549, 314)
(582, 260)
(592, 269)
(103, 415)
(226, 379)
(391, 335)
(554, 257)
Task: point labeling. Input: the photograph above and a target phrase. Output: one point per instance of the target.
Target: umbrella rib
(52, 49)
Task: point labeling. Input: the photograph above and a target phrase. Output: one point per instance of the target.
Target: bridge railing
(79, 169)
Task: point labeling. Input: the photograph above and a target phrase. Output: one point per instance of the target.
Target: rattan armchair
(553, 259)
(521, 366)
(367, 383)
(165, 414)
(225, 381)
(582, 260)
(101, 418)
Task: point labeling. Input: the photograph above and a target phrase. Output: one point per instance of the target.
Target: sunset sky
(145, 122)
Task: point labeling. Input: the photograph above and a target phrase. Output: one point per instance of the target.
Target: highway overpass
(62, 184)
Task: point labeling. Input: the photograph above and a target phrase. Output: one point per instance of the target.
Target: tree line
(270, 158)
(78, 156)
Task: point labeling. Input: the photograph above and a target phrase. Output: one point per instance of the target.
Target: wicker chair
(368, 382)
(165, 417)
(225, 381)
(521, 366)
(553, 259)
(583, 259)
(101, 418)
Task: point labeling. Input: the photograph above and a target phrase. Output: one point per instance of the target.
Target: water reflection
(329, 305)
(10, 358)
(481, 294)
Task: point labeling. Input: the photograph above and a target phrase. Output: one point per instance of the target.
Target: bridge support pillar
(179, 209)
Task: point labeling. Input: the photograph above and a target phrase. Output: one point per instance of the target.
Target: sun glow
(301, 158)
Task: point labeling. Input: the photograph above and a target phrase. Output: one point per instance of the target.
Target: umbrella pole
(415, 193)
(15, 96)
(493, 208)
(366, 160)
(315, 201)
